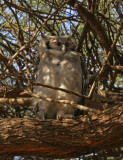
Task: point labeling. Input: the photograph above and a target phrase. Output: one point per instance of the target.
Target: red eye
(55, 41)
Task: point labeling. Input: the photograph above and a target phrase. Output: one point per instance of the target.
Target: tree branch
(31, 102)
(94, 23)
(51, 138)
(105, 65)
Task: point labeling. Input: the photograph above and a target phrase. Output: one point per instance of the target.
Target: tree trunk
(62, 139)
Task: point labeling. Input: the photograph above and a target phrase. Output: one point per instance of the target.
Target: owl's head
(62, 43)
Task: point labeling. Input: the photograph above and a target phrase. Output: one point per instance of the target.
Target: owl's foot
(69, 116)
(61, 115)
(40, 115)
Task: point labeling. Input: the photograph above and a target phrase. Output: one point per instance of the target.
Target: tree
(97, 29)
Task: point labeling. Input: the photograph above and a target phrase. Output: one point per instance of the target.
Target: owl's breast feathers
(63, 71)
(58, 68)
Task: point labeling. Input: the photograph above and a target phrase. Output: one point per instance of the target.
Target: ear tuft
(46, 37)
(68, 36)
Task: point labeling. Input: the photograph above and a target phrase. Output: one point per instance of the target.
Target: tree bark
(62, 139)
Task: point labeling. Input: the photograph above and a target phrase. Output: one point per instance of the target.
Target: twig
(104, 67)
(30, 102)
(119, 68)
(114, 42)
(59, 89)
(12, 69)
(27, 44)
(48, 99)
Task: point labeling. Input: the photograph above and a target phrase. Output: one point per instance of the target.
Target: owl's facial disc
(63, 46)
(61, 43)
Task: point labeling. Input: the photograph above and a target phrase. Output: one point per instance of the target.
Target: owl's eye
(68, 43)
(56, 42)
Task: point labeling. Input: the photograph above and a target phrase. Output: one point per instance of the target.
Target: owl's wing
(36, 66)
(41, 48)
(85, 80)
(85, 76)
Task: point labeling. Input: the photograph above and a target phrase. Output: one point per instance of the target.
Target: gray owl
(60, 66)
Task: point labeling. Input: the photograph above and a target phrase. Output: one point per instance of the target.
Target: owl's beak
(63, 48)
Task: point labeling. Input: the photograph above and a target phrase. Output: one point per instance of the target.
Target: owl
(58, 65)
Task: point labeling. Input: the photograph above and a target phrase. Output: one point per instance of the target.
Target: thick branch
(61, 139)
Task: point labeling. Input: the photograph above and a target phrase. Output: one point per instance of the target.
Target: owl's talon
(60, 115)
(69, 116)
